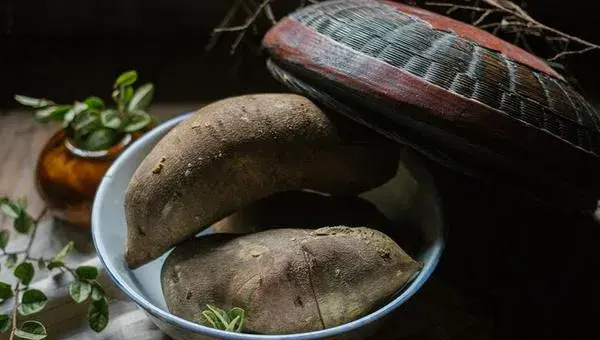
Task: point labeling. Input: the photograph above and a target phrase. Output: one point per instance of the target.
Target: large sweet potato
(287, 280)
(236, 151)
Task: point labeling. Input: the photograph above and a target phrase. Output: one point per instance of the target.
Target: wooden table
(509, 269)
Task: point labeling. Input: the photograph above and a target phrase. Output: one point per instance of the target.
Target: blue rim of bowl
(408, 291)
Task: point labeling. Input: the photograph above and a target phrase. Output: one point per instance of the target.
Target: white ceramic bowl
(410, 198)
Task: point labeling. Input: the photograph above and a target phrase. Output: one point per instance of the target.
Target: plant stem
(14, 312)
(70, 270)
(8, 253)
(518, 17)
(34, 232)
(27, 251)
(47, 261)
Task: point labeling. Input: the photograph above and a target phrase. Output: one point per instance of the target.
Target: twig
(566, 53)
(34, 232)
(243, 28)
(226, 20)
(14, 311)
(237, 41)
(70, 270)
(5, 253)
(14, 314)
(17, 289)
(249, 11)
(484, 16)
(251, 20)
(248, 22)
(454, 7)
(269, 14)
(517, 21)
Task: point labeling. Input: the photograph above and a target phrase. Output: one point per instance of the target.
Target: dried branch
(514, 19)
(253, 12)
(249, 21)
(264, 6)
(493, 15)
(566, 53)
(226, 20)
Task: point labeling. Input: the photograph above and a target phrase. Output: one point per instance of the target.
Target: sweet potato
(287, 280)
(311, 210)
(303, 210)
(236, 151)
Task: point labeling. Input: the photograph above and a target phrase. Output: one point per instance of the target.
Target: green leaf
(77, 109)
(25, 272)
(55, 264)
(126, 78)
(137, 120)
(142, 98)
(97, 291)
(31, 330)
(98, 315)
(212, 319)
(64, 252)
(99, 140)
(115, 95)
(220, 314)
(52, 113)
(41, 264)
(21, 203)
(5, 291)
(237, 313)
(94, 102)
(23, 223)
(110, 119)
(9, 208)
(33, 301)
(126, 94)
(86, 272)
(231, 327)
(80, 291)
(11, 260)
(4, 238)
(218, 318)
(33, 102)
(4, 323)
(86, 122)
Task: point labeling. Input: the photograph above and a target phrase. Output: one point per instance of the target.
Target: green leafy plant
(231, 321)
(90, 123)
(28, 301)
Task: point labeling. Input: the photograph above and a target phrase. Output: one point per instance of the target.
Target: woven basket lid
(455, 93)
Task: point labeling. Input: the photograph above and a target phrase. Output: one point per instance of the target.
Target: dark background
(529, 271)
(66, 49)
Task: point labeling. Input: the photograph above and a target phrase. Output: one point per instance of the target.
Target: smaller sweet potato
(302, 209)
(287, 280)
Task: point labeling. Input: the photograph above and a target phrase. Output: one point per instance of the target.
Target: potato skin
(236, 151)
(287, 280)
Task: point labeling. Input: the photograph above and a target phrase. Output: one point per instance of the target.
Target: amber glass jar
(67, 177)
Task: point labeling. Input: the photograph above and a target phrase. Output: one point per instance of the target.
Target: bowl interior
(409, 198)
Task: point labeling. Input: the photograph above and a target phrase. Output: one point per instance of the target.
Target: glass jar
(67, 177)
